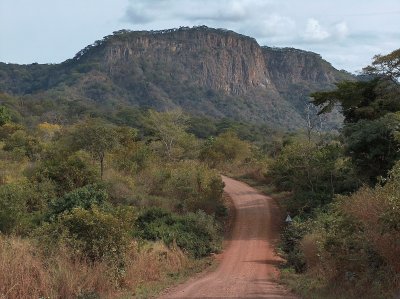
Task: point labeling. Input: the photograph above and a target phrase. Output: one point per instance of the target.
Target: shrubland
(343, 240)
(104, 209)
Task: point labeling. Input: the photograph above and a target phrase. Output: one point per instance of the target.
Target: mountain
(207, 72)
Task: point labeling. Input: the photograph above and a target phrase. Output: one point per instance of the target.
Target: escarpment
(213, 72)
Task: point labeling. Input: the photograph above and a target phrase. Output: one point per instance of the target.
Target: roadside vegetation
(345, 202)
(109, 209)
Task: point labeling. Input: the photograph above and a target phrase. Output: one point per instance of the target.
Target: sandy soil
(248, 264)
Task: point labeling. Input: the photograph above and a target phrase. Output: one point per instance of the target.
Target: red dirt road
(248, 263)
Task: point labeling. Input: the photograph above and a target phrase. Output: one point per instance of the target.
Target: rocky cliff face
(292, 66)
(215, 59)
(206, 71)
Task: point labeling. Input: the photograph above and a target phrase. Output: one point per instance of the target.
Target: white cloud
(342, 30)
(314, 31)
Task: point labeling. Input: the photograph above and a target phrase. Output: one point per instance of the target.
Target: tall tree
(97, 138)
(371, 110)
(169, 127)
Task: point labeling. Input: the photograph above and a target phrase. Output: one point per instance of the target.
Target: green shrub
(96, 234)
(13, 208)
(315, 173)
(290, 244)
(83, 197)
(195, 187)
(68, 173)
(225, 148)
(354, 242)
(90, 234)
(196, 233)
(21, 142)
(189, 186)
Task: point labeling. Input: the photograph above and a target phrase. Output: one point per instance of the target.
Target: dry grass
(22, 273)
(26, 273)
(151, 263)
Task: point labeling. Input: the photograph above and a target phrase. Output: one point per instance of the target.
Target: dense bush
(225, 148)
(97, 234)
(76, 222)
(354, 242)
(314, 173)
(24, 143)
(83, 197)
(373, 145)
(13, 208)
(190, 186)
(67, 172)
(196, 233)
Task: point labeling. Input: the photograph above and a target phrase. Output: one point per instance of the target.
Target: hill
(207, 72)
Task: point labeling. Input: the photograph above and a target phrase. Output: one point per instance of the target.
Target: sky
(347, 33)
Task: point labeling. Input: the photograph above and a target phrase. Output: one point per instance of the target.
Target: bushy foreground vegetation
(95, 209)
(344, 238)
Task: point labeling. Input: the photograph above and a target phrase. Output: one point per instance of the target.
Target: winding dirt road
(248, 263)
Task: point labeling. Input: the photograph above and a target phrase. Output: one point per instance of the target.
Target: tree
(97, 138)
(47, 130)
(96, 234)
(387, 66)
(373, 145)
(313, 172)
(227, 147)
(314, 121)
(67, 171)
(371, 111)
(5, 116)
(21, 141)
(170, 128)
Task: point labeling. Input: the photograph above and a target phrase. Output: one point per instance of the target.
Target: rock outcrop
(213, 72)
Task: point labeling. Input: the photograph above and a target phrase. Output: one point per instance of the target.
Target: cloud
(315, 32)
(334, 34)
(136, 15)
(342, 30)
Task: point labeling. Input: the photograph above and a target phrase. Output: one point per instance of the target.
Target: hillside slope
(208, 72)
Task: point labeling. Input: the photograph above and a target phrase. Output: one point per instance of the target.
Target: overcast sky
(347, 33)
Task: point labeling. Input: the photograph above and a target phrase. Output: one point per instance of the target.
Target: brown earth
(248, 264)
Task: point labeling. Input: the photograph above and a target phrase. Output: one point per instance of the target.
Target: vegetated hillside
(208, 72)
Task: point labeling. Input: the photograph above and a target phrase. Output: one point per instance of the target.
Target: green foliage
(67, 172)
(196, 233)
(96, 234)
(20, 141)
(23, 205)
(385, 66)
(170, 130)
(132, 158)
(226, 148)
(13, 208)
(290, 244)
(354, 243)
(313, 172)
(373, 145)
(5, 116)
(202, 127)
(83, 197)
(8, 129)
(371, 121)
(97, 138)
(190, 185)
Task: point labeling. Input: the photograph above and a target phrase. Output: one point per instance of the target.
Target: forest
(123, 203)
